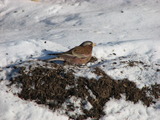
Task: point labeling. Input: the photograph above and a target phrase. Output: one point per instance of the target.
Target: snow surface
(124, 30)
(129, 111)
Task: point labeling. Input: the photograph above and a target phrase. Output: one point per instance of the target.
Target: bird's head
(88, 43)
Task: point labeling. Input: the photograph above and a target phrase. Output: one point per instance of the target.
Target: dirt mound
(58, 88)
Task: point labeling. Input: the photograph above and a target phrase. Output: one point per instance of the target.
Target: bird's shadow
(47, 54)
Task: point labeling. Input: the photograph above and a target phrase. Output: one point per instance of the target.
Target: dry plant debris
(56, 86)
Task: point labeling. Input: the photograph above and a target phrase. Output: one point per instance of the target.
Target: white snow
(136, 50)
(121, 110)
(14, 108)
(76, 102)
(124, 30)
(22, 50)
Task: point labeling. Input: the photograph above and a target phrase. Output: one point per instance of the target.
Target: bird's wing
(75, 52)
(80, 52)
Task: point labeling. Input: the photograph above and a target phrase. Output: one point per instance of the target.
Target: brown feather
(77, 55)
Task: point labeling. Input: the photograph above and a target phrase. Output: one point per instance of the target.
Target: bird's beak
(94, 44)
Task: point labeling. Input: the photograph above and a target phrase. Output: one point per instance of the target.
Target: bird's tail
(55, 53)
(55, 59)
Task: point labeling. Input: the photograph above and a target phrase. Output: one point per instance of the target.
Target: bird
(78, 55)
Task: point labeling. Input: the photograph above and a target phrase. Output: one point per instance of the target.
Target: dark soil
(55, 86)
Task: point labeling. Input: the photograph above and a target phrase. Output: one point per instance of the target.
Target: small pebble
(122, 11)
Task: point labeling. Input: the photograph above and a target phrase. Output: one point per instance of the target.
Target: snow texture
(124, 31)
